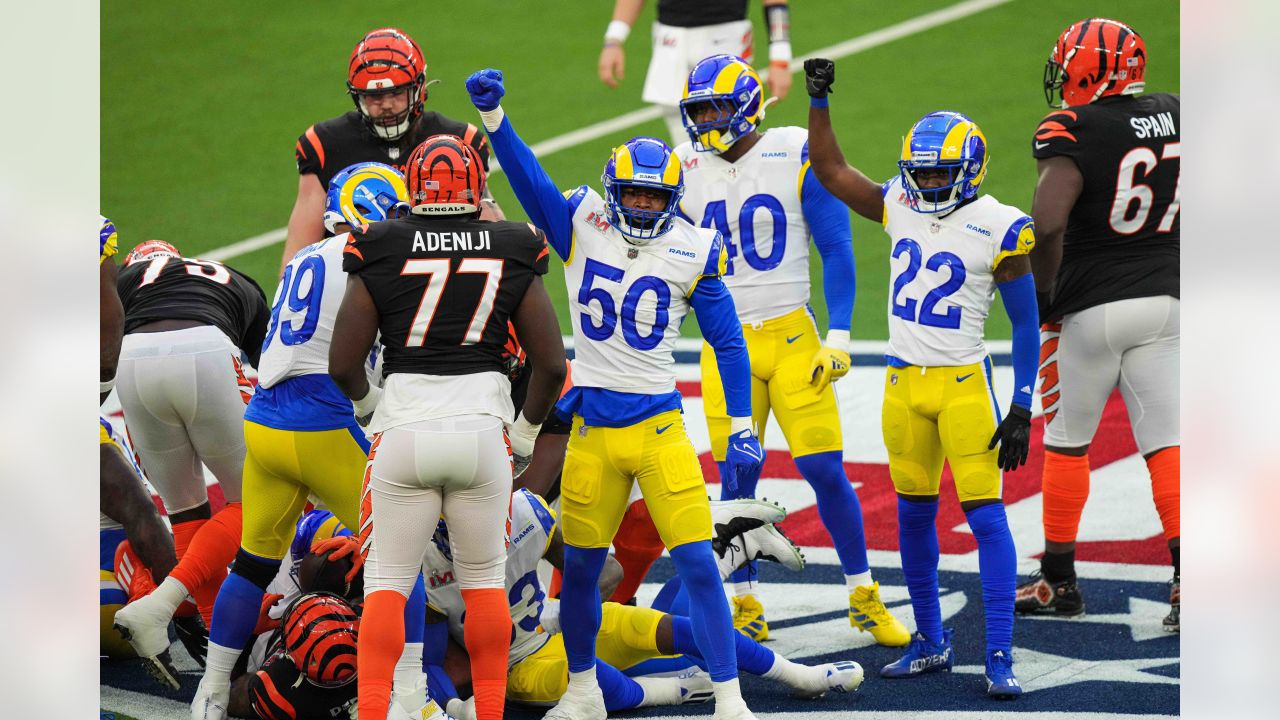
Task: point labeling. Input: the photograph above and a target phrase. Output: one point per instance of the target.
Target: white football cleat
(579, 705)
(147, 630)
(695, 686)
(842, 677)
(763, 543)
(211, 702)
(738, 711)
(730, 518)
(430, 711)
(461, 709)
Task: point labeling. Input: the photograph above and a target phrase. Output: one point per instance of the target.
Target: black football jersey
(688, 13)
(172, 288)
(327, 148)
(1122, 238)
(445, 288)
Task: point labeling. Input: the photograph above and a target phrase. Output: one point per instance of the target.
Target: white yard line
(853, 46)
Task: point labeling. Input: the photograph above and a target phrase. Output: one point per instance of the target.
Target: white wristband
(523, 435)
(838, 339)
(738, 424)
(780, 52)
(104, 386)
(492, 118)
(617, 32)
(367, 404)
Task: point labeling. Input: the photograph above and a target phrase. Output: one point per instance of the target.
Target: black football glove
(1014, 437)
(819, 76)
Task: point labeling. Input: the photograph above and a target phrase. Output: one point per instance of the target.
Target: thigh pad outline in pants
(911, 438)
(156, 428)
(1087, 369)
(541, 678)
(671, 481)
(594, 493)
(714, 407)
(1149, 372)
(966, 424)
(628, 634)
(810, 418)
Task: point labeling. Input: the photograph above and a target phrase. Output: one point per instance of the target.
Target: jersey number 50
(608, 308)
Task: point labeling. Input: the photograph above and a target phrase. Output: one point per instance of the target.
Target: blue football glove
(744, 457)
(486, 89)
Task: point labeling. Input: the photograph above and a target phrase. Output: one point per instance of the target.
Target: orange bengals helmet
(388, 61)
(1092, 59)
(320, 632)
(149, 249)
(446, 177)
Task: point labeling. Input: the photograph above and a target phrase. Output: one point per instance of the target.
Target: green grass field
(200, 110)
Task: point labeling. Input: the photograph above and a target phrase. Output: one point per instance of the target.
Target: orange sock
(210, 549)
(636, 546)
(487, 632)
(553, 587)
(380, 644)
(183, 534)
(1166, 488)
(1066, 488)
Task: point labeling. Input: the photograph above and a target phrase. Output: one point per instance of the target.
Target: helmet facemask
(640, 226)
(728, 123)
(943, 141)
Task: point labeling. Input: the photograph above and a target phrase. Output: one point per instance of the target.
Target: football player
(442, 286)
(757, 189)
(124, 501)
(686, 31)
(628, 636)
(301, 436)
(638, 269)
(183, 389)
(1106, 266)
(387, 81)
(952, 249)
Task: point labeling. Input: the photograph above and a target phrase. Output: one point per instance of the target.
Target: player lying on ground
(952, 249)
(629, 635)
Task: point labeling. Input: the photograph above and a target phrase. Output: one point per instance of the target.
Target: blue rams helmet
(363, 193)
(949, 141)
(643, 162)
(731, 87)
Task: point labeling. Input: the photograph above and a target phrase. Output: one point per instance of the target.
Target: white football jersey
(532, 525)
(303, 312)
(627, 301)
(942, 273)
(755, 204)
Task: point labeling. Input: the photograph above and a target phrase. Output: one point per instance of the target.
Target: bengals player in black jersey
(387, 81)
(182, 386)
(441, 287)
(1106, 266)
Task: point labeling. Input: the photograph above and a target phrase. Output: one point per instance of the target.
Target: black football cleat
(1038, 596)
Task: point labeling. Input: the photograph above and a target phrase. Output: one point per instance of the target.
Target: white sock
(743, 589)
(408, 689)
(658, 691)
(853, 582)
(219, 663)
(795, 675)
(728, 694)
(583, 682)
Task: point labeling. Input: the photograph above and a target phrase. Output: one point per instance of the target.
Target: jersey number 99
(310, 272)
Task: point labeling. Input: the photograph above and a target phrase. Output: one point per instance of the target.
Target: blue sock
(672, 599)
(746, 489)
(838, 507)
(708, 609)
(580, 604)
(998, 568)
(918, 544)
(620, 692)
(415, 612)
(752, 656)
(235, 611)
(434, 646)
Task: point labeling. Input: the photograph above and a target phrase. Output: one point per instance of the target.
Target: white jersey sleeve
(627, 301)
(303, 312)
(532, 525)
(755, 204)
(942, 280)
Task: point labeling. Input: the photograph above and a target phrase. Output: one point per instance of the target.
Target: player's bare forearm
(111, 329)
(841, 179)
(1057, 189)
(354, 331)
(1012, 267)
(539, 332)
(306, 222)
(546, 466)
(123, 498)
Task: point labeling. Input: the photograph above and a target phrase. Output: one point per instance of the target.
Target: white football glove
(549, 618)
(522, 434)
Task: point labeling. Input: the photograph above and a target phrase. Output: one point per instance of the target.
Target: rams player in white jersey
(952, 249)
(634, 270)
(301, 434)
(628, 634)
(757, 189)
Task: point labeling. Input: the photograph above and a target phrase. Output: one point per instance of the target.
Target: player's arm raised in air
(111, 328)
(828, 221)
(538, 195)
(354, 331)
(863, 195)
(1057, 190)
(1018, 293)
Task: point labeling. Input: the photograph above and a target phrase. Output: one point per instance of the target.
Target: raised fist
(819, 76)
(486, 89)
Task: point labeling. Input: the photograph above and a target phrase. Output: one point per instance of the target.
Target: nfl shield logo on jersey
(632, 253)
(393, 153)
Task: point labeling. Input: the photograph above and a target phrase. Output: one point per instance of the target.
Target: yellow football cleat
(748, 618)
(868, 613)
